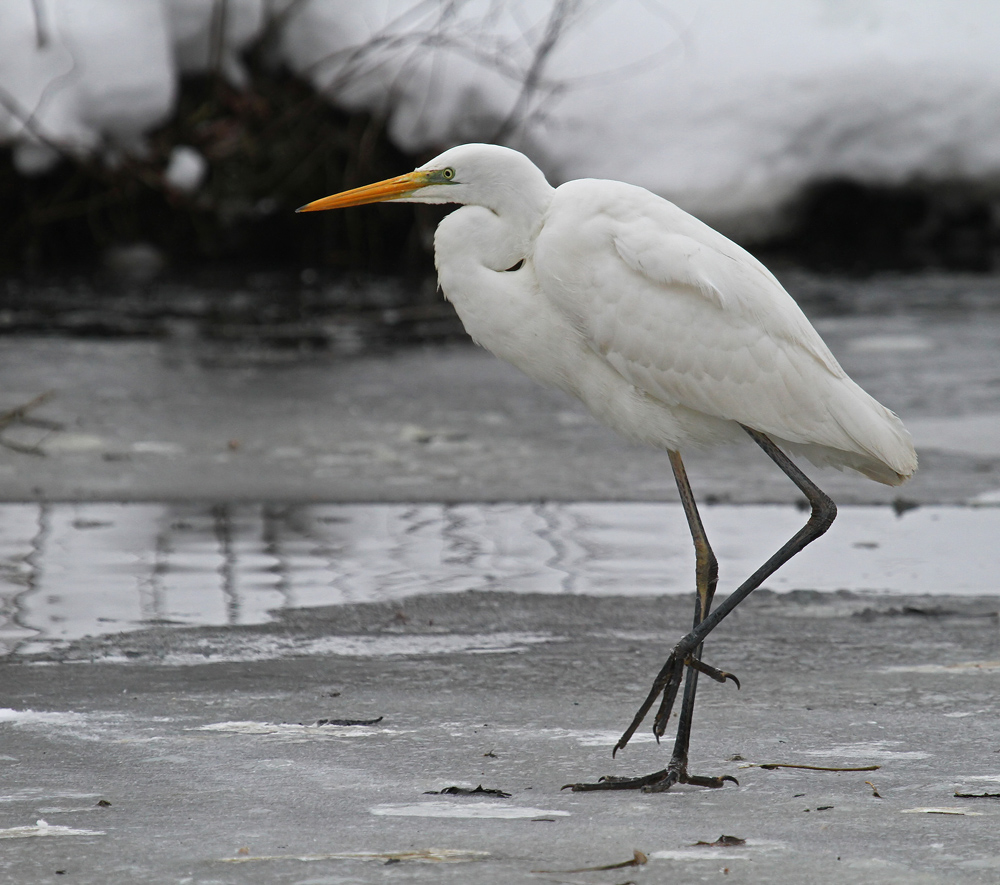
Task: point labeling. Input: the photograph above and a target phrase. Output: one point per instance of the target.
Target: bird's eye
(448, 173)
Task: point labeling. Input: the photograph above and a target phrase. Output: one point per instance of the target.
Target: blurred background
(152, 151)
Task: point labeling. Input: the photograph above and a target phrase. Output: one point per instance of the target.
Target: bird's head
(470, 174)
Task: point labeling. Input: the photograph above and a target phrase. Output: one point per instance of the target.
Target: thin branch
(42, 37)
(559, 18)
(20, 413)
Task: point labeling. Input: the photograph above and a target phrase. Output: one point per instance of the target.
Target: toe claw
(711, 782)
(711, 672)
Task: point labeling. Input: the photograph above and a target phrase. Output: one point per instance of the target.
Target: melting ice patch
(974, 435)
(588, 738)
(961, 668)
(271, 648)
(38, 717)
(498, 810)
(890, 343)
(102, 568)
(43, 828)
(292, 730)
(872, 750)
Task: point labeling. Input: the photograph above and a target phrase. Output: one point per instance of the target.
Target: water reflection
(72, 570)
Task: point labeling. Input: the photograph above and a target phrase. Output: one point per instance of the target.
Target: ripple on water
(74, 570)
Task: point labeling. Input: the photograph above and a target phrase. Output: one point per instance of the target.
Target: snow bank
(77, 75)
(89, 76)
(725, 106)
(200, 29)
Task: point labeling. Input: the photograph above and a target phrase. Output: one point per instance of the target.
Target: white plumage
(668, 332)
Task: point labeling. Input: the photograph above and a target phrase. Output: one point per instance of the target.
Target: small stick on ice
(638, 859)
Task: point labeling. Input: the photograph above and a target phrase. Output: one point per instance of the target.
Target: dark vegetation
(232, 259)
(278, 145)
(843, 226)
(270, 149)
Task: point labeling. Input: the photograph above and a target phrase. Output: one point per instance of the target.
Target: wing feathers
(691, 319)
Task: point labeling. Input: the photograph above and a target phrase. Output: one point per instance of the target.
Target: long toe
(714, 782)
(712, 672)
(621, 783)
(657, 782)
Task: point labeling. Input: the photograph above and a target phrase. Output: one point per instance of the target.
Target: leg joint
(824, 511)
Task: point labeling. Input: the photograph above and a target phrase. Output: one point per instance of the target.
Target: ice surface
(478, 810)
(186, 169)
(195, 26)
(727, 107)
(43, 828)
(68, 571)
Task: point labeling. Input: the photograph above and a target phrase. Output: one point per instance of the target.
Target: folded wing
(693, 320)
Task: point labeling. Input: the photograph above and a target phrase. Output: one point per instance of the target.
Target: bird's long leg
(823, 512)
(687, 651)
(706, 580)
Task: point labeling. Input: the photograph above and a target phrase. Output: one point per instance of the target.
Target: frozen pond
(73, 570)
(319, 453)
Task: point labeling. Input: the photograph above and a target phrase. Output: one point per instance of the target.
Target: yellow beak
(390, 189)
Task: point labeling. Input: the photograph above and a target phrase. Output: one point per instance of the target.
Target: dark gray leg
(688, 651)
(706, 579)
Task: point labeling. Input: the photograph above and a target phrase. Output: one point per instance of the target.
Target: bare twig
(42, 38)
(638, 859)
(217, 37)
(559, 18)
(19, 413)
(770, 766)
(27, 120)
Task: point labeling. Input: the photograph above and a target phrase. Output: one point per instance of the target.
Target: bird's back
(695, 323)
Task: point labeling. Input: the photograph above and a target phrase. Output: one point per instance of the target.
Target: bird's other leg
(706, 579)
(823, 512)
(821, 517)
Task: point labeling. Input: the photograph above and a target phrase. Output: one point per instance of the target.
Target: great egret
(668, 332)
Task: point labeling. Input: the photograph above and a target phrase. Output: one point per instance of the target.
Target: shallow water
(73, 570)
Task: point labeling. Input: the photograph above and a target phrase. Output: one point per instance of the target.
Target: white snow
(725, 106)
(186, 169)
(44, 828)
(40, 718)
(81, 75)
(200, 30)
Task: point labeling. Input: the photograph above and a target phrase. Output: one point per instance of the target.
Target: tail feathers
(870, 439)
(866, 465)
(879, 434)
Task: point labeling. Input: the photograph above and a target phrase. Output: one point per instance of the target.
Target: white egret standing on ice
(668, 332)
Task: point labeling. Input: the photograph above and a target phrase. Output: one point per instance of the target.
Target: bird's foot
(668, 683)
(712, 672)
(657, 782)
